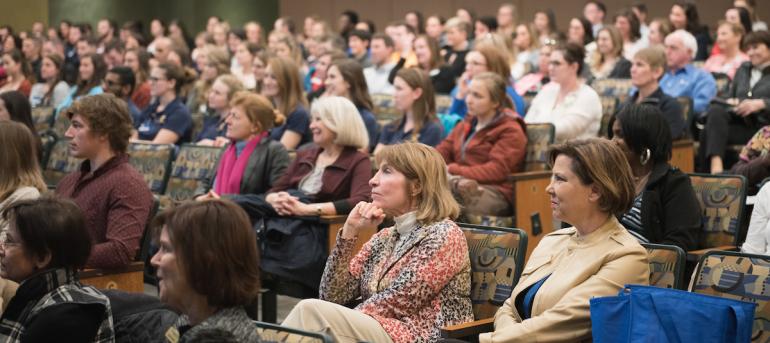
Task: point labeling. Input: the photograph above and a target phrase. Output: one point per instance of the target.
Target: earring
(645, 156)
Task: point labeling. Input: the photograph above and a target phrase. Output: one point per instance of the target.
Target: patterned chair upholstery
(609, 106)
(42, 117)
(737, 276)
(666, 265)
(443, 103)
(153, 161)
(60, 163)
(539, 137)
(722, 199)
(60, 125)
(273, 333)
(197, 123)
(497, 259)
(384, 109)
(193, 163)
(617, 88)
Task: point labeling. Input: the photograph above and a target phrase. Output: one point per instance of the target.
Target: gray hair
(687, 39)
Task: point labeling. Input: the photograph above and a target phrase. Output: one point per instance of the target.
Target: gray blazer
(266, 164)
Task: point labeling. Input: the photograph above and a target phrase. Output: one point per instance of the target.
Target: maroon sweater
(345, 182)
(116, 202)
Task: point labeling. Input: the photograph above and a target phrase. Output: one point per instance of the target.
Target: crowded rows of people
(295, 118)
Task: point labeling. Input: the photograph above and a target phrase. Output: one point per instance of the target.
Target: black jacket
(139, 317)
(622, 69)
(671, 213)
(740, 89)
(669, 107)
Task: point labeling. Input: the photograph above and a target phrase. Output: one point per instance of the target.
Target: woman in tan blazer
(591, 183)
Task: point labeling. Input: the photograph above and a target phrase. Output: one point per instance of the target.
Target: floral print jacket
(412, 285)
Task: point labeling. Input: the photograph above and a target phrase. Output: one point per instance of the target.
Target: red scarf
(232, 167)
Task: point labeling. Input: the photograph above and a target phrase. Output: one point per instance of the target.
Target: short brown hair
(425, 170)
(106, 115)
(216, 250)
(600, 162)
(258, 109)
(757, 37)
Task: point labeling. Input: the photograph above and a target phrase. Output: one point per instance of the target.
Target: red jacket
(491, 154)
(345, 182)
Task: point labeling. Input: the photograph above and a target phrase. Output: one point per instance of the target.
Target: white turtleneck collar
(406, 222)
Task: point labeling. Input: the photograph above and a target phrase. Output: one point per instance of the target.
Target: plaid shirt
(233, 320)
(50, 288)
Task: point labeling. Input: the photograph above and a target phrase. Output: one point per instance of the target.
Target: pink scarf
(232, 167)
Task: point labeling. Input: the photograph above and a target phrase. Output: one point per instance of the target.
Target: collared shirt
(174, 117)
(377, 78)
(756, 74)
(690, 82)
(116, 202)
(233, 320)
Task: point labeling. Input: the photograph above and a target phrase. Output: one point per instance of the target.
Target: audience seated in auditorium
(758, 236)
(89, 80)
(217, 110)
(377, 75)
(314, 80)
(50, 90)
(580, 33)
(485, 148)
(112, 194)
(120, 82)
(684, 16)
(20, 76)
(533, 82)
(665, 209)
(730, 56)
(253, 162)
(403, 39)
(21, 175)
(282, 86)
(484, 57)
(545, 26)
(751, 5)
(334, 173)
(414, 97)
(592, 183)
(570, 105)
(345, 78)
(647, 69)
(630, 31)
(139, 62)
(412, 278)
(31, 47)
(506, 19)
(167, 120)
(744, 111)
(659, 29)
(429, 59)
(358, 43)
(216, 234)
(607, 61)
(212, 62)
(243, 70)
(527, 47)
(684, 79)
(45, 246)
(456, 34)
(595, 11)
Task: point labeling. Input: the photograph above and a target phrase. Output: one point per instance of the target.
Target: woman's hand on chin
(364, 215)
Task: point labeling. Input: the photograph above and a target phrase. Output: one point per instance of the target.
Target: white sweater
(758, 238)
(579, 115)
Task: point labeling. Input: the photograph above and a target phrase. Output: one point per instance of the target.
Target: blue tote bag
(653, 314)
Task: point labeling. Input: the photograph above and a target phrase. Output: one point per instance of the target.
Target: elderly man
(684, 79)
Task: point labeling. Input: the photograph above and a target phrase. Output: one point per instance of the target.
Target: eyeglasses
(550, 42)
(4, 243)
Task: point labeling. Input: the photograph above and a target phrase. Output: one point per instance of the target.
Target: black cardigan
(670, 210)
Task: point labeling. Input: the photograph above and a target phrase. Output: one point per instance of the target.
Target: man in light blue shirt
(684, 79)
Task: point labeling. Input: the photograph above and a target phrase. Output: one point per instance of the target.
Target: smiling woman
(591, 184)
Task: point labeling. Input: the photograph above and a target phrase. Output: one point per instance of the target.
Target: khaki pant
(339, 322)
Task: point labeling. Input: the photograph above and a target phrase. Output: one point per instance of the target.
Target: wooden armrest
(529, 175)
(694, 255)
(682, 143)
(468, 329)
(333, 219)
(92, 272)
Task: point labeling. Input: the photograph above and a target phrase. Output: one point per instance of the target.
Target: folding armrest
(466, 330)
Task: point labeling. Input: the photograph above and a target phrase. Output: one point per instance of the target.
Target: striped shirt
(632, 220)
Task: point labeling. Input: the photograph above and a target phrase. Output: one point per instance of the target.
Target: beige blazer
(580, 268)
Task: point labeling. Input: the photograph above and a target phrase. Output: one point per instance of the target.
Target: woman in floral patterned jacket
(413, 278)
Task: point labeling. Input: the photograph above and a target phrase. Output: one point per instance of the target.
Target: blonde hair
(425, 172)
(617, 46)
(233, 84)
(500, 42)
(294, 50)
(258, 109)
(20, 166)
(495, 85)
(341, 117)
(654, 56)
